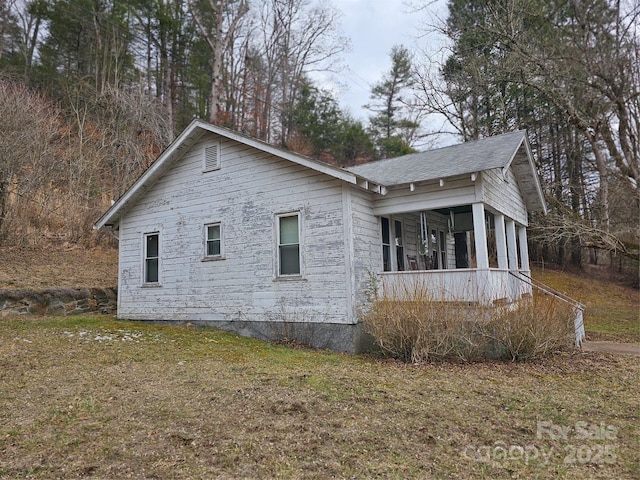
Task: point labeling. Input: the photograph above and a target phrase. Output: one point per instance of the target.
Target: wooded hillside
(91, 91)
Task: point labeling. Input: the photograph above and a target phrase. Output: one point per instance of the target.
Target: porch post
(524, 249)
(511, 245)
(501, 242)
(480, 236)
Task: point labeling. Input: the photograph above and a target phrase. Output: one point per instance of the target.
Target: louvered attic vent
(212, 157)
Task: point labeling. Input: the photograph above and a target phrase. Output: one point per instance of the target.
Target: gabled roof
(500, 151)
(468, 157)
(184, 142)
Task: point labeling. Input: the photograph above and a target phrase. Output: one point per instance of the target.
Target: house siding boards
(455, 191)
(503, 194)
(245, 195)
(367, 243)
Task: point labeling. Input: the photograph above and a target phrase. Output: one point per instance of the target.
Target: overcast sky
(374, 27)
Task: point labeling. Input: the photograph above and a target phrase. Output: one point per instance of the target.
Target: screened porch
(465, 253)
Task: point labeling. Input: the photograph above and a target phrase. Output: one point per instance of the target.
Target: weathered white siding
(367, 246)
(456, 191)
(245, 195)
(503, 194)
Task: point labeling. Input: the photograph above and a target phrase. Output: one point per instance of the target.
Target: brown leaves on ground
(58, 266)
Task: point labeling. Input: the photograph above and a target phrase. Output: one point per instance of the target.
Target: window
(213, 240)
(289, 245)
(399, 245)
(151, 257)
(211, 157)
(386, 244)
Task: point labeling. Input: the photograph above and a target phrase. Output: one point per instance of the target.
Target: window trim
(279, 275)
(218, 149)
(145, 258)
(211, 257)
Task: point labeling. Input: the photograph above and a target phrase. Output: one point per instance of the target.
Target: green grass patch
(612, 311)
(90, 396)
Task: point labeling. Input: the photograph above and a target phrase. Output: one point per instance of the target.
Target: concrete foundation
(349, 338)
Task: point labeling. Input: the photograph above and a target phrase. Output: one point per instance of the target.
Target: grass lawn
(93, 397)
(612, 311)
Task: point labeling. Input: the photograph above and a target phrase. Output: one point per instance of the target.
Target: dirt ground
(58, 266)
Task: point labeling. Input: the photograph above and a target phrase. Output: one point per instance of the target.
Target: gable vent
(212, 157)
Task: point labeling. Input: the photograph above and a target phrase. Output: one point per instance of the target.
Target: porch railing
(485, 287)
(456, 285)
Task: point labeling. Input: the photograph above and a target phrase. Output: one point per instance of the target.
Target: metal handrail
(546, 288)
(578, 307)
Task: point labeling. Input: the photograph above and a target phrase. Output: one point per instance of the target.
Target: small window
(151, 257)
(213, 240)
(289, 245)
(212, 157)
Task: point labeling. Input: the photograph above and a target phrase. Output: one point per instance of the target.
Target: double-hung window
(213, 240)
(152, 258)
(289, 244)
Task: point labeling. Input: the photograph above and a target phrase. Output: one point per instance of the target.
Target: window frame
(207, 255)
(146, 259)
(279, 245)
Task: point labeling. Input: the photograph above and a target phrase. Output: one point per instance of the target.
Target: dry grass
(411, 324)
(92, 397)
(613, 310)
(58, 266)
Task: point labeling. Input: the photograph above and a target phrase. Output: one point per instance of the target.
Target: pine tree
(390, 126)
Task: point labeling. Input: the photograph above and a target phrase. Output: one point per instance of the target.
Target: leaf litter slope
(92, 396)
(58, 266)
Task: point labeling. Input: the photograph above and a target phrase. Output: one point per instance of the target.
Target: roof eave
(534, 172)
(187, 138)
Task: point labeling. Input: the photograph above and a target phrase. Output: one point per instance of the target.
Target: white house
(228, 231)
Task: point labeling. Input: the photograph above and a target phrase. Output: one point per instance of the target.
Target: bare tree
(217, 24)
(586, 65)
(568, 71)
(291, 39)
(29, 126)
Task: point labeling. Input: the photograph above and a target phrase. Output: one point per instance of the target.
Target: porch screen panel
(399, 245)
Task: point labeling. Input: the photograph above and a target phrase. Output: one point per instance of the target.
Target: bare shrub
(531, 329)
(29, 124)
(59, 170)
(413, 325)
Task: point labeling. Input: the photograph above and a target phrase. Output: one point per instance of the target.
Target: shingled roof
(468, 157)
(500, 151)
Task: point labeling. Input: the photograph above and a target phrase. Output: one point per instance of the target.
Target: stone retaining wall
(58, 301)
